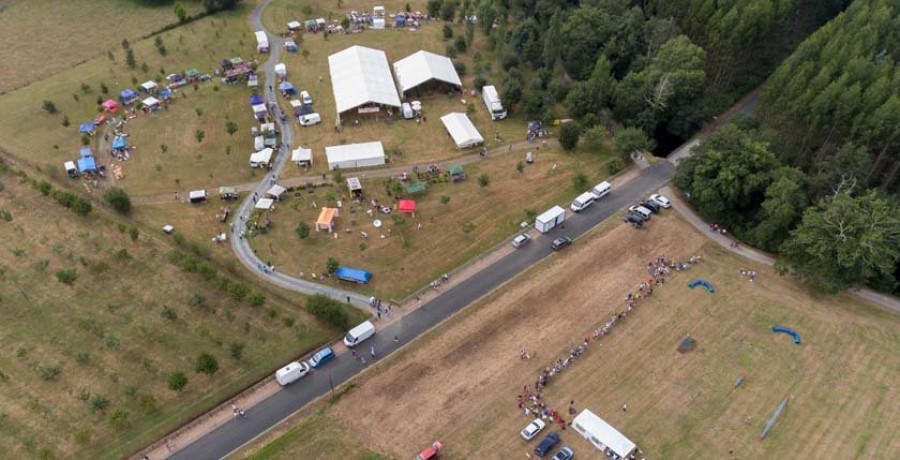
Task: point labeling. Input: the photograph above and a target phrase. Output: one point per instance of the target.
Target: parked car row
(298, 369)
(548, 443)
(642, 212)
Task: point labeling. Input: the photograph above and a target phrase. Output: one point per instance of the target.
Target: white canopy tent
(302, 156)
(150, 102)
(261, 158)
(148, 86)
(601, 434)
(421, 67)
(294, 25)
(275, 191)
(361, 76)
(378, 10)
(462, 130)
(259, 143)
(262, 42)
(378, 23)
(260, 110)
(264, 203)
(281, 69)
(355, 155)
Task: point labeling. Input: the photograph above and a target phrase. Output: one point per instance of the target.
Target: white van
(305, 97)
(291, 373)
(310, 119)
(601, 189)
(407, 111)
(582, 201)
(359, 334)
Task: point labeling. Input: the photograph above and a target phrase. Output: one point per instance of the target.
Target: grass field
(841, 405)
(128, 321)
(43, 37)
(39, 137)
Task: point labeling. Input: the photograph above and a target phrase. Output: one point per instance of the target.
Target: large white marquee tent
(361, 76)
(355, 155)
(422, 67)
(462, 130)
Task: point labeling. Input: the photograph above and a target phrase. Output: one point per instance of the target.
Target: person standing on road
(372, 351)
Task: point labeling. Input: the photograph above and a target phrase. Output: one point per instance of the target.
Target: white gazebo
(261, 158)
(360, 78)
(294, 25)
(422, 67)
(150, 103)
(462, 130)
(302, 156)
(149, 86)
(275, 191)
(281, 70)
(265, 204)
(355, 155)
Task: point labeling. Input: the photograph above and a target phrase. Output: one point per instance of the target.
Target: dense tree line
(661, 66)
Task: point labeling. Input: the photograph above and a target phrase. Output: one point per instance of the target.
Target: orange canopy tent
(326, 219)
(408, 206)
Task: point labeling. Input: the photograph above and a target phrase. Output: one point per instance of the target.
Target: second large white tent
(462, 130)
(422, 67)
(355, 155)
(361, 76)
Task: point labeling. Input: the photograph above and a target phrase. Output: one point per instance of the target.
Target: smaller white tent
(294, 25)
(275, 191)
(378, 23)
(261, 158)
(260, 110)
(378, 10)
(148, 86)
(601, 434)
(259, 143)
(355, 155)
(150, 102)
(302, 156)
(265, 203)
(462, 130)
(281, 70)
(296, 104)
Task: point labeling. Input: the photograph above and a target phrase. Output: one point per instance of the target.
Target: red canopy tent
(408, 206)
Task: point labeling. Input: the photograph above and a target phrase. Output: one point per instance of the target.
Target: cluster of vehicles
(304, 112)
(579, 204)
(548, 443)
(641, 212)
(299, 369)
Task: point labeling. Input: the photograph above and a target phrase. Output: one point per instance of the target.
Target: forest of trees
(814, 174)
(663, 66)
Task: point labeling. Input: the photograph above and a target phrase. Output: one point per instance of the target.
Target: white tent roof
(301, 154)
(70, 166)
(264, 203)
(359, 153)
(150, 101)
(295, 103)
(359, 76)
(260, 108)
(551, 214)
(276, 191)
(263, 156)
(594, 428)
(280, 69)
(267, 127)
(462, 130)
(148, 85)
(423, 66)
(353, 183)
(294, 25)
(259, 143)
(261, 38)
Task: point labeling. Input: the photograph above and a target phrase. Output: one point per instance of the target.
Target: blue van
(321, 357)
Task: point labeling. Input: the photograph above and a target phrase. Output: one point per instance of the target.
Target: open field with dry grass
(459, 383)
(43, 37)
(39, 138)
(76, 354)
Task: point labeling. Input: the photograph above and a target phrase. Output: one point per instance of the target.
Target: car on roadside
(565, 453)
(529, 432)
(306, 98)
(560, 243)
(641, 210)
(547, 444)
(652, 206)
(291, 373)
(321, 357)
(636, 220)
(661, 200)
(520, 240)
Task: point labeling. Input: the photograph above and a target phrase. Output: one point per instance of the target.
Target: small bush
(118, 199)
(118, 419)
(196, 300)
(255, 299)
(579, 181)
(65, 120)
(122, 254)
(450, 51)
(448, 32)
(99, 403)
(82, 437)
(445, 199)
(613, 166)
(67, 277)
(82, 357)
(302, 230)
(44, 187)
(328, 310)
(332, 265)
(237, 350)
(51, 373)
(147, 403)
(288, 322)
(177, 381)
(206, 364)
(484, 180)
(133, 233)
(460, 44)
(49, 106)
(169, 313)
(568, 136)
(479, 81)
(238, 290)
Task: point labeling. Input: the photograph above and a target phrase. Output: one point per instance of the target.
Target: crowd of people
(530, 401)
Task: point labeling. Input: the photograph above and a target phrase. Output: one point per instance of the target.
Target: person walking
(624, 407)
(372, 351)
(396, 339)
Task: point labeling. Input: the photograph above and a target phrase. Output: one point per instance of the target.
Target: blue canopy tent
(87, 164)
(165, 94)
(287, 87)
(256, 100)
(399, 21)
(128, 96)
(119, 143)
(86, 152)
(353, 275)
(86, 128)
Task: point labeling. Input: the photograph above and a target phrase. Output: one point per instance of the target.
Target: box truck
(492, 102)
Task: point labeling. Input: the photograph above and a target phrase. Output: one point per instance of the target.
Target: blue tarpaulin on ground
(165, 94)
(87, 164)
(120, 143)
(256, 100)
(354, 275)
(86, 128)
(86, 152)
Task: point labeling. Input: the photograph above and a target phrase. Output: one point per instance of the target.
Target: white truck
(492, 102)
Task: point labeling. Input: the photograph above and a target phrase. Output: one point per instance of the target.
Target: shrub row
(191, 262)
(329, 310)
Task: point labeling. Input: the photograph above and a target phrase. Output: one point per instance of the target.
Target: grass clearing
(75, 354)
(43, 37)
(39, 138)
(679, 406)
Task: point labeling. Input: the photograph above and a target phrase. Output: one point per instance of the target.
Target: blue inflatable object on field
(789, 332)
(709, 287)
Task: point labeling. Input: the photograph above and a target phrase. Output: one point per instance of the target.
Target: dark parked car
(636, 220)
(651, 205)
(547, 444)
(560, 243)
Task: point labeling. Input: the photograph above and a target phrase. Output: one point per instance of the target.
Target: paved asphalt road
(266, 414)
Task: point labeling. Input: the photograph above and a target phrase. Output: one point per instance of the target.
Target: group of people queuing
(530, 401)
